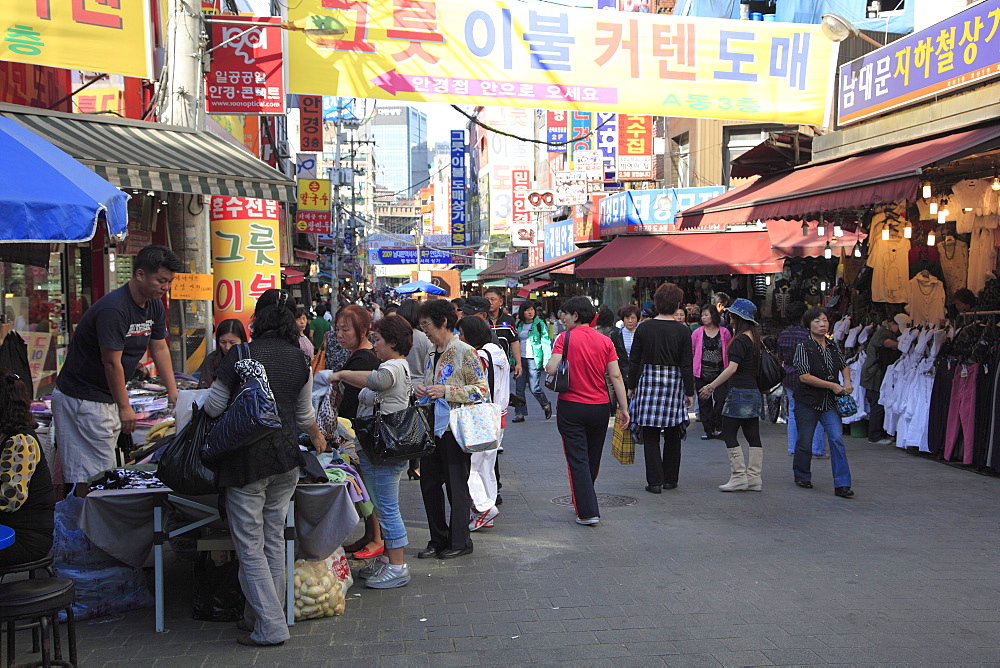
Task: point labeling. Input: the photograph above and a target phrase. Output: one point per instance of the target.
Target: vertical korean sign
(556, 130)
(245, 254)
(607, 143)
(580, 125)
(635, 148)
(247, 75)
(104, 36)
(311, 123)
(459, 235)
(313, 213)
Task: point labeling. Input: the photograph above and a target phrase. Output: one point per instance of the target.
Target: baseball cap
(474, 305)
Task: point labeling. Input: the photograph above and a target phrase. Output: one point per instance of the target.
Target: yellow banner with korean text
(544, 56)
(246, 258)
(111, 36)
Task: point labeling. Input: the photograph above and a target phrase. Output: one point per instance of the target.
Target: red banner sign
(635, 147)
(313, 222)
(310, 123)
(247, 76)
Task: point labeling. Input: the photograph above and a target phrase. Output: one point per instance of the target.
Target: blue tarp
(420, 286)
(47, 196)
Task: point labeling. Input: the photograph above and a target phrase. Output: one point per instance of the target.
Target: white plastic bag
(183, 410)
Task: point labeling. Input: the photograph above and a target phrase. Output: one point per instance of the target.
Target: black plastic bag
(218, 598)
(180, 466)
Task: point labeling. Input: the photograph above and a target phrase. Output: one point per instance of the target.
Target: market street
(903, 573)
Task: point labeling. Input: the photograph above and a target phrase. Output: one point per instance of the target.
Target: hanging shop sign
(956, 53)
(408, 256)
(246, 257)
(305, 165)
(247, 74)
(524, 235)
(559, 239)
(570, 187)
(104, 36)
(607, 144)
(313, 213)
(311, 123)
(650, 211)
(503, 156)
(539, 201)
(580, 126)
(635, 148)
(556, 131)
(550, 57)
(520, 183)
(458, 215)
(585, 222)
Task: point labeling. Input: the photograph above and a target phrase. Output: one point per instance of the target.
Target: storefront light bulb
(996, 183)
(908, 231)
(885, 234)
(822, 286)
(805, 229)
(931, 240)
(767, 280)
(838, 231)
(821, 230)
(933, 208)
(857, 251)
(942, 216)
(828, 252)
(926, 191)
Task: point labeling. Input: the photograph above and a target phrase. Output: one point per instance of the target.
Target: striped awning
(154, 156)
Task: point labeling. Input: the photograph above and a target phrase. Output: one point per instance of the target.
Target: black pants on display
(937, 422)
(876, 416)
(447, 468)
(665, 468)
(583, 428)
(710, 410)
(751, 431)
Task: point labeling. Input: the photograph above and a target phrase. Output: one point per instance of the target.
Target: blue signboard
(408, 256)
(649, 211)
(559, 239)
(459, 234)
(955, 53)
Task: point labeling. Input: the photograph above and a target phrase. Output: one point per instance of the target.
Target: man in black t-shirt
(505, 328)
(90, 405)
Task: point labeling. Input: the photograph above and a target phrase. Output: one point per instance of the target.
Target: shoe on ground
(451, 554)
(885, 441)
(499, 500)
(250, 642)
(547, 408)
(844, 492)
(372, 568)
(480, 520)
(518, 418)
(389, 578)
(707, 437)
(669, 485)
(805, 484)
(241, 625)
(823, 456)
(654, 489)
(588, 521)
(429, 552)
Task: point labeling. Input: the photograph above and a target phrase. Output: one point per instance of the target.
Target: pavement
(904, 573)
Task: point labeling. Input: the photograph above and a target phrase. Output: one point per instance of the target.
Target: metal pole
(337, 237)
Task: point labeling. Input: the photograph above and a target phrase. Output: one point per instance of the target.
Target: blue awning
(47, 196)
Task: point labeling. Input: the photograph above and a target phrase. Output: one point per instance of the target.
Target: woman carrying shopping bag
(455, 374)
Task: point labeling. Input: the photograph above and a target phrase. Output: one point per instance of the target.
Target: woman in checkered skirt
(663, 386)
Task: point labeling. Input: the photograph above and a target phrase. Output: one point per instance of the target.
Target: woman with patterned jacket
(455, 374)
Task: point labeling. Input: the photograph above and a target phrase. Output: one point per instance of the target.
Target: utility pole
(337, 236)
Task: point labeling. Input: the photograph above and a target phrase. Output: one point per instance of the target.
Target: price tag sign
(192, 286)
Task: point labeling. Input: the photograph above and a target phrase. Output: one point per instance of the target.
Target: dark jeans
(751, 431)
(710, 410)
(27, 546)
(449, 467)
(807, 419)
(876, 416)
(665, 468)
(583, 428)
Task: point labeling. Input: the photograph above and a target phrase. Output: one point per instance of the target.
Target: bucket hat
(745, 309)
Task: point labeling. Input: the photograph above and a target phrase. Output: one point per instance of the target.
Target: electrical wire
(488, 128)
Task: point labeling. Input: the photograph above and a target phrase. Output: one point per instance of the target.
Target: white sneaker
(483, 520)
(389, 578)
(588, 521)
(373, 567)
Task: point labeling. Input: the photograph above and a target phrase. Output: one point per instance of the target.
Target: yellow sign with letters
(547, 56)
(99, 36)
(192, 286)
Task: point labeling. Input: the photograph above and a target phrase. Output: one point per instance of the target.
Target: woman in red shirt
(583, 410)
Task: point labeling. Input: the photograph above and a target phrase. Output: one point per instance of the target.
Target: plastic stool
(29, 567)
(39, 600)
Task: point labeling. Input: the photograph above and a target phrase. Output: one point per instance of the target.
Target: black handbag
(180, 467)
(560, 381)
(397, 437)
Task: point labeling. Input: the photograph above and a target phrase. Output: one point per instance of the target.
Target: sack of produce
(318, 591)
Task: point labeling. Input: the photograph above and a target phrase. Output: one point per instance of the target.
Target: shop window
(680, 160)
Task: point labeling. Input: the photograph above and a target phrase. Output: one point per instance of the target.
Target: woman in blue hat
(743, 405)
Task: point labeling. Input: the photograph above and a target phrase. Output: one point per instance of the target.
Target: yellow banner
(544, 56)
(111, 36)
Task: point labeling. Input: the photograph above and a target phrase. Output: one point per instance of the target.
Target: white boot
(756, 457)
(738, 479)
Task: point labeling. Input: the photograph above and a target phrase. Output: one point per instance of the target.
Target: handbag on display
(397, 437)
(252, 415)
(560, 381)
(476, 426)
(846, 405)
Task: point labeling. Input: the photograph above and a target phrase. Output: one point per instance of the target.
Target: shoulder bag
(397, 437)
(769, 371)
(560, 381)
(476, 426)
(252, 414)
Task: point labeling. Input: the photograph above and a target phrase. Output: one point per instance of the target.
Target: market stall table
(127, 523)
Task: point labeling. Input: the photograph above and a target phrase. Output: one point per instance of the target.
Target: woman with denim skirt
(390, 386)
(744, 403)
(820, 365)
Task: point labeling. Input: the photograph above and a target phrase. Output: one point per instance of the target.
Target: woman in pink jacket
(709, 343)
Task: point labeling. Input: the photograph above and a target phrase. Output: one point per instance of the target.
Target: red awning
(526, 290)
(554, 263)
(291, 276)
(891, 175)
(787, 239)
(495, 271)
(691, 254)
(303, 254)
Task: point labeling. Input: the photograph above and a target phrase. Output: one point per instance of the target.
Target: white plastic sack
(184, 400)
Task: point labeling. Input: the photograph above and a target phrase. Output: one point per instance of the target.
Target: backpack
(252, 414)
(770, 373)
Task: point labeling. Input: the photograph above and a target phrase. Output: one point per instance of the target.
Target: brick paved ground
(904, 573)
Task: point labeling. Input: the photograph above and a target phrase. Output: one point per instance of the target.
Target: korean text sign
(649, 211)
(956, 53)
(245, 254)
(311, 123)
(559, 239)
(104, 36)
(546, 56)
(247, 75)
(635, 147)
(459, 235)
